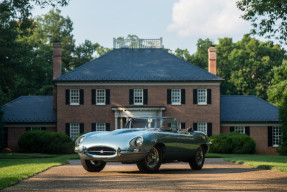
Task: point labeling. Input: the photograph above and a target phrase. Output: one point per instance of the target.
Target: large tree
(277, 92)
(268, 17)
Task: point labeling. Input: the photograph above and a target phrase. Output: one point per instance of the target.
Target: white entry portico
(122, 114)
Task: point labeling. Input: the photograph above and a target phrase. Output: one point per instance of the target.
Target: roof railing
(136, 43)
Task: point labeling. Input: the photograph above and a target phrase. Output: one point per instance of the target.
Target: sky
(179, 22)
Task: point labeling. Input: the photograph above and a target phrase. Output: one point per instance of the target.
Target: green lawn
(275, 162)
(14, 168)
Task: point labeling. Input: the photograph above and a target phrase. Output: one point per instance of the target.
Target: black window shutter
(93, 96)
(247, 131)
(81, 128)
(169, 96)
(107, 96)
(93, 126)
(81, 96)
(194, 126)
(208, 96)
(108, 127)
(183, 125)
(131, 97)
(194, 96)
(68, 129)
(209, 129)
(183, 96)
(231, 129)
(43, 128)
(145, 95)
(67, 96)
(270, 136)
(28, 128)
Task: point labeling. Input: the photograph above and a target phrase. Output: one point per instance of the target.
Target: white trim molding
(248, 124)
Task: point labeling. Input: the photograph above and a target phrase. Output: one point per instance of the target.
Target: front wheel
(93, 166)
(152, 161)
(197, 161)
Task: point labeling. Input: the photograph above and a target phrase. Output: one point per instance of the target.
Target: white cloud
(207, 18)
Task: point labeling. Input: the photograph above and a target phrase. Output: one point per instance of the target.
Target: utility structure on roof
(137, 43)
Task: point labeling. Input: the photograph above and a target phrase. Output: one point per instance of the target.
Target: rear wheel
(152, 161)
(197, 161)
(93, 166)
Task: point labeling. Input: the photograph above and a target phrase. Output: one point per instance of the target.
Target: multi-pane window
(100, 96)
(74, 130)
(100, 127)
(176, 96)
(138, 96)
(239, 129)
(202, 96)
(276, 136)
(202, 127)
(74, 97)
(34, 128)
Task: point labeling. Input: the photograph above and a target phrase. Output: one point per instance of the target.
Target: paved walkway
(216, 175)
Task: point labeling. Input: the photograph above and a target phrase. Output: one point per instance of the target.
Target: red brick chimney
(57, 60)
(212, 60)
(57, 68)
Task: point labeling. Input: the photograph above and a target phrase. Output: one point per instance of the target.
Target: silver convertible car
(148, 142)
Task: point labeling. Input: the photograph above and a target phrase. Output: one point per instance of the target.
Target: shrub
(282, 150)
(232, 143)
(45, 142)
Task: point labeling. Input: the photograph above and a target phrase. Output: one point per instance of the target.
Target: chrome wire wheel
(197, 161)
(199, 156)
(152, 161)
(153, 158)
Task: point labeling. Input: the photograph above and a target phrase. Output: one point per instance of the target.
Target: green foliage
(268, 18)
(278, 89)
(283, 128)
(14, 170)
(45, 142)
(200, 58)
(232, 143)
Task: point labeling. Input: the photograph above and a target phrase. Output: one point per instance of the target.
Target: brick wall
(260, 136)
(119, 96)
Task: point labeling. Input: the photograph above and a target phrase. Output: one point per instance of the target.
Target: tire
(93, 166)
(152, 161)
(197, 161)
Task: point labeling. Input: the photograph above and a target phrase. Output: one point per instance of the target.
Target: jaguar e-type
(148, 142)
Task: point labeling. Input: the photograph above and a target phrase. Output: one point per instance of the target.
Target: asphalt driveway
(216, 175)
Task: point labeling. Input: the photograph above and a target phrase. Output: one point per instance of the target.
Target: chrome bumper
(119, 156)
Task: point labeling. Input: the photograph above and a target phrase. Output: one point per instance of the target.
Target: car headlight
(136, 142)
(79, 140)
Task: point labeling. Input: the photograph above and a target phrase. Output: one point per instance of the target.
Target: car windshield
(153, 122)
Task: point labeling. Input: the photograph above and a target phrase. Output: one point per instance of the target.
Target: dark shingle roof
(247, 108)
(30, 109)
(138, 65)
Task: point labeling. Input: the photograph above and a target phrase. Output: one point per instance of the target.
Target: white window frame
(74, 130)
(101, 127)
(35, 128)
(138, 97)
(202, 96)
(100, 97)
(74, 96)
(276, 136)
(202, 126)
(239, 129)
(176, 96)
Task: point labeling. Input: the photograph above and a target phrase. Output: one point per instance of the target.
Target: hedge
(232, 143)
(45, 142)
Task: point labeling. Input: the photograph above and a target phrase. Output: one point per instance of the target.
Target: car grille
(101, 150)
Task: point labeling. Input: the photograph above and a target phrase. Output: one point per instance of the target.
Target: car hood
(118, 138)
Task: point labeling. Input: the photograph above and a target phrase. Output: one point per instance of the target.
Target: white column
(116, 123)
(121, 122)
